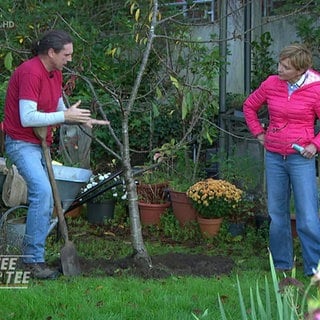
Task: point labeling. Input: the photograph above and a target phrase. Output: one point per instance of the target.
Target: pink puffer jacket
(291, 118)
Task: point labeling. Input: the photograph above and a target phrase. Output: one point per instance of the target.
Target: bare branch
(70, 27)
(89, 83)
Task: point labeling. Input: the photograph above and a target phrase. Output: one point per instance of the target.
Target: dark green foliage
(106, 59)
(306, 23)
(262, 61)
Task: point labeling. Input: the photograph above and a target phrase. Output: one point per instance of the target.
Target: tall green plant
(262, 61)
(276, 303)
(193, 69)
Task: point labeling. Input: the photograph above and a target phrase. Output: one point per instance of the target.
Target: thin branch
(113, 94)
(70, 27)
(145, 58)
(89, 83)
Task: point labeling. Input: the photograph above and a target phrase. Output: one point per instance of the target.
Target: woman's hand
(261, 138)
(309, 151)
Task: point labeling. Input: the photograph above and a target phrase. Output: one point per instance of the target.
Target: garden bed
(164, 265)
(106, 250)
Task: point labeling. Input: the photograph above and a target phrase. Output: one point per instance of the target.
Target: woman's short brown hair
(298, 54)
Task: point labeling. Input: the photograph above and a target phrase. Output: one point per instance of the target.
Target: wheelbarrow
(69, 180)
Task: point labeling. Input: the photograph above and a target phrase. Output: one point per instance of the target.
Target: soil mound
(163, 266)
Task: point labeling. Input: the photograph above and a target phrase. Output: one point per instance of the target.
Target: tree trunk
(141, 256)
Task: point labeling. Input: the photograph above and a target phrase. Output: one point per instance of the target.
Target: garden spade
(68, 254)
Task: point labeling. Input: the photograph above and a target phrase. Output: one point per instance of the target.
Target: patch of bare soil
(163, 266)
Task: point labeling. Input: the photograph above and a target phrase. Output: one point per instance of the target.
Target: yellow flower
(213, 197)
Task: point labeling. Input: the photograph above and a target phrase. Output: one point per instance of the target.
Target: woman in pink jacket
(293, 101)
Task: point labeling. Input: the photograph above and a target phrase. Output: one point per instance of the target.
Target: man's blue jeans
(286, 174)
(29, 160)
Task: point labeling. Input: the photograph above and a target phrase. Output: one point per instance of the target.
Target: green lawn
(123, 298)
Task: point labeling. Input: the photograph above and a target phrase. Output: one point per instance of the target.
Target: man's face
(287, 72)
(60, 59)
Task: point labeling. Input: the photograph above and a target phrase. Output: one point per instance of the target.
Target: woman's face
(287, 72)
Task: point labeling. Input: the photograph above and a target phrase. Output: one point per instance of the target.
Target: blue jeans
(29, 160)
(295, 174)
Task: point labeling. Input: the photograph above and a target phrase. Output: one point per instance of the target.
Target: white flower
(99, 178)
(124, 197)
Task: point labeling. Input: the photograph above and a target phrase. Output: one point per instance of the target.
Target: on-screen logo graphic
(11, 276)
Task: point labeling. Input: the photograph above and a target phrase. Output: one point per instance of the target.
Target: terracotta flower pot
(150, 213)
(182, 207)
(74, 213)
(209, 227)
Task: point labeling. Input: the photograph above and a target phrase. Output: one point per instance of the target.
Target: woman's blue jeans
(285, 175)
(29, 160)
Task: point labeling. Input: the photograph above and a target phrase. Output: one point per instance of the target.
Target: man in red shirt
(34, 99)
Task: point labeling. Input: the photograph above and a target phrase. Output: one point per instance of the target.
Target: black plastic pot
(237, 228)
(97, 213)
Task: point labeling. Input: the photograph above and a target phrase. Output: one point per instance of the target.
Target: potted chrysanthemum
(213, 199)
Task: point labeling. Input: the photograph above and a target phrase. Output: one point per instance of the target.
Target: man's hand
(77, 115)
(83, 116)
(92, 122)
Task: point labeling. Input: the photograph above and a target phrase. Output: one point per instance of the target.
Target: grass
(127, 297)
(121, 298)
